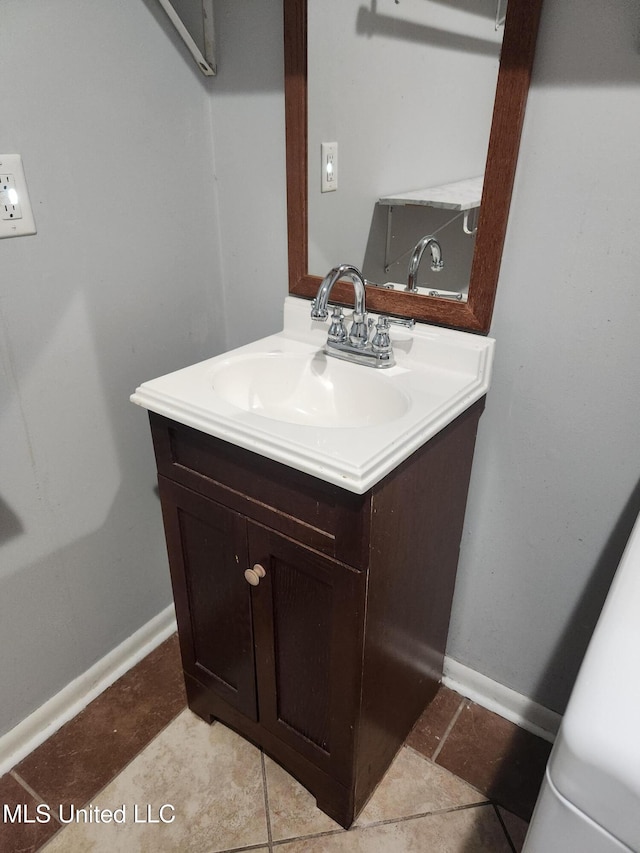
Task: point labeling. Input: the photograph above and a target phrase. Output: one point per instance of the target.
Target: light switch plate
(16, 216)
(329, 154)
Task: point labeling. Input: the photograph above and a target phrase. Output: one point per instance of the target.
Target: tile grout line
(61, 827)
(30, 791)
(435, 813)
(242, 849)
(282, 841)
(447, 731)
(487, 799)
(144, 749)
(266, 803)
(388, 822)
(504, 828)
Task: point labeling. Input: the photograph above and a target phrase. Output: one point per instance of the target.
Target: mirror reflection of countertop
(346, 424)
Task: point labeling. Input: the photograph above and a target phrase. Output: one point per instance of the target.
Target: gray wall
(120, 284)
(159, 197)
(247, 107)
(555, 481)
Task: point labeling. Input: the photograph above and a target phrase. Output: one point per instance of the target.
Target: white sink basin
(310, 389)
(348, 424)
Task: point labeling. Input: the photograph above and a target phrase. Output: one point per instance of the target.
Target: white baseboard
(494, 696)
(62, 707)
(42, 723)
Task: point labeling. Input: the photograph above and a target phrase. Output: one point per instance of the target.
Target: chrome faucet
(354, 345)
(436, 260)
(358, 333)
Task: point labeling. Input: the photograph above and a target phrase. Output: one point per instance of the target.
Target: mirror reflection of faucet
(414, 264)
(353, 345)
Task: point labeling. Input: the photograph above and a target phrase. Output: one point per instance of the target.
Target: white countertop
(442, 372)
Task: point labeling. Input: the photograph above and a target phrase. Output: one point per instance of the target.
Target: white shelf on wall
(459, 195)
(463, 196)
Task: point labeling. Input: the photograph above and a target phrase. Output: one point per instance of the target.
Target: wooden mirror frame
(516, 61)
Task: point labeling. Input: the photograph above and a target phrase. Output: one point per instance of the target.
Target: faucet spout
(436, 260)
(358, 333)
(320, 311)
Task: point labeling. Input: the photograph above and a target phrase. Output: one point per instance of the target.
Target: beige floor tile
(473, 830)
(412, 786)
(211, 776)
(292, 809)
(516, 827)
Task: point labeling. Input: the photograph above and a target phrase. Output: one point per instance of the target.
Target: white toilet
(590, 798)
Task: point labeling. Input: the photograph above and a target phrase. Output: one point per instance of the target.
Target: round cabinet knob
(253, 575)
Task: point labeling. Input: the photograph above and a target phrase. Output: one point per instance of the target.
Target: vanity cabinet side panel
(207, 548)
(417, 519)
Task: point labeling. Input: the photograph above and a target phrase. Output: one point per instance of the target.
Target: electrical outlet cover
(17, 217)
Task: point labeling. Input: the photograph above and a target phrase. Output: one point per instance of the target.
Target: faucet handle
(409, 322)
(337, 329)
(381, 341)
(318, 313)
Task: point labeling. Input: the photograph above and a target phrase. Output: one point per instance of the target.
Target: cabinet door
(308, 623)
(207, 546)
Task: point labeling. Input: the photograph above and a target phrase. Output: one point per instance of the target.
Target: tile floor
(465, 782)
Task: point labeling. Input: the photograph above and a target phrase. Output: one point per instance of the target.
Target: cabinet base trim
(65, 705)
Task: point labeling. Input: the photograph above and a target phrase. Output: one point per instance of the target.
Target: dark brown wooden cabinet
(328, 661)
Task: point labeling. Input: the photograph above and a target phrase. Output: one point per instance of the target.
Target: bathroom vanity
(313, 566)
(329, 659)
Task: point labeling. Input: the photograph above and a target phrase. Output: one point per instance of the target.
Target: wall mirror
(357, 77)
